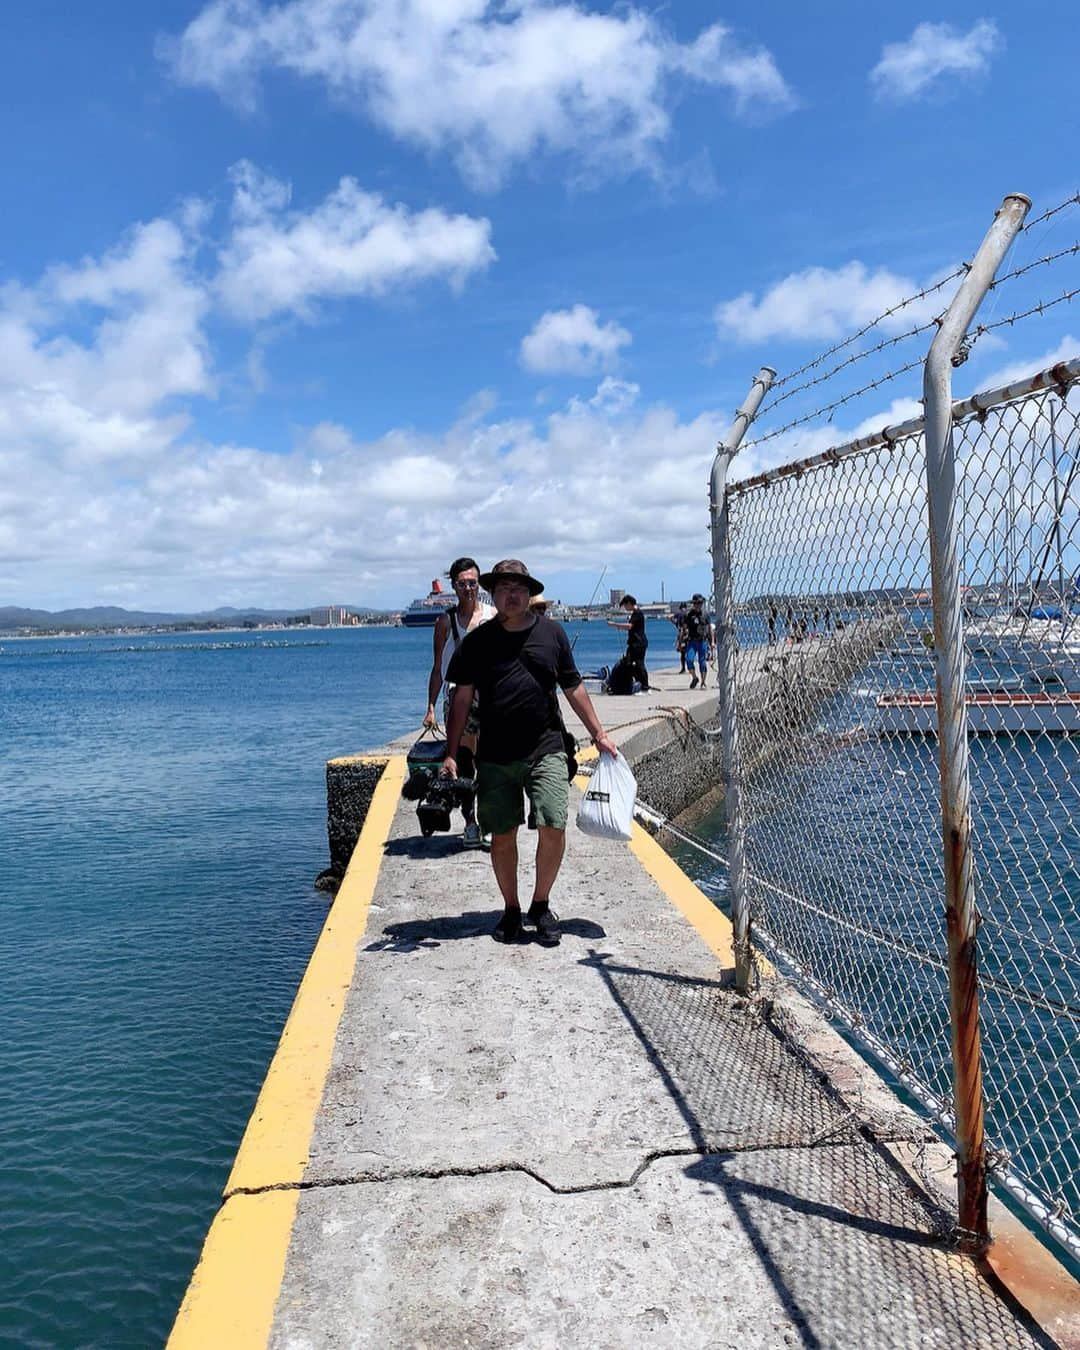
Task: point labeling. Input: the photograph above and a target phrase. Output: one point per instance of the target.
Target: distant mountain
(112, 616)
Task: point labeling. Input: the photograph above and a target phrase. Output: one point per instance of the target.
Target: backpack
(621, 679)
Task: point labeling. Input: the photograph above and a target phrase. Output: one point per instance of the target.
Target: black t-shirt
(697, 625)
(636, 639)
(515, 675)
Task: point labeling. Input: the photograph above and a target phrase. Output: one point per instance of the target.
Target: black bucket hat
(511, 569)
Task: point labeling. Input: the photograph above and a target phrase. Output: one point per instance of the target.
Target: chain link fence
(838, 757)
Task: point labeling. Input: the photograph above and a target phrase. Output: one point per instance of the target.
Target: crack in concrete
(822, 1140)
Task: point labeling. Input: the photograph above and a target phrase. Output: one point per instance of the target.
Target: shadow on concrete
(416, 934)
(857, 1253)
(416, 846)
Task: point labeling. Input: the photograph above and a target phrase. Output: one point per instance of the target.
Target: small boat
(425, 613)
(990, 712)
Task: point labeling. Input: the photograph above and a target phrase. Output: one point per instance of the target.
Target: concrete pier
(466, 1145)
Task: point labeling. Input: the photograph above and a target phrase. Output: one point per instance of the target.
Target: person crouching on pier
(450, 629)
(515, 664)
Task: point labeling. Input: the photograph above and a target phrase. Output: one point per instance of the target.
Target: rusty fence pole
(726, 656)
(949, 658)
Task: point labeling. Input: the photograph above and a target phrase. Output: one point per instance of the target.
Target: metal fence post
(960, 914)
(726, 655)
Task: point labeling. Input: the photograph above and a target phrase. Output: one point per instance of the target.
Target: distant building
(616, 594)
(332, 616)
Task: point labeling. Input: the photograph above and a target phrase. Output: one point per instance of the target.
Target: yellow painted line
(231, 1298)
(358, 759)
(712, 925)
(274, 1149)
(232, 1294)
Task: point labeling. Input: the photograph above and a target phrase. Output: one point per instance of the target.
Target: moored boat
(989, 711)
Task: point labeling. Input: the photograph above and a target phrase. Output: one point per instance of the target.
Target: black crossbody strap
(569, 742)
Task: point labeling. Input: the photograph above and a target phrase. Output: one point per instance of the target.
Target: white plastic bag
(607, 806)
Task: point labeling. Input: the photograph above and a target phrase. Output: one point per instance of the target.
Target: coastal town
(422, 613)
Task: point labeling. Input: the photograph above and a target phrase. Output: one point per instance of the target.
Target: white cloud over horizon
(360, 519)
(491, 85)
(102, 363)
(908, 70)
(110, 490)
(572, 342)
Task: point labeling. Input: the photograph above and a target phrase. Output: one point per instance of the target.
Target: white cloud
(492, 84)
(820, 302)
(194, 524)
(351, 244)
(572, 342)
(907, 70)
(104, 483)
(1068, 349)
(615, 397)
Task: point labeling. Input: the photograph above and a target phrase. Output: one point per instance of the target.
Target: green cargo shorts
(499, 787)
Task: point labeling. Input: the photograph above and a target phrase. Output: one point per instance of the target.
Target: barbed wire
(1074, 200)
(885, 314)
(837, 403)
(851, 361)
(1030, 267)
(1040, 308)
(775, 399)
(916, 331)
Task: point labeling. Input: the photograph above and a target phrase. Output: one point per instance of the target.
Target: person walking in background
(450, 629)
(699, 641)
(774, 614)
(679, 620)
(637, 640)
(516, 663)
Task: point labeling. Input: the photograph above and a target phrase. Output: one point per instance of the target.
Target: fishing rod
(596, 590)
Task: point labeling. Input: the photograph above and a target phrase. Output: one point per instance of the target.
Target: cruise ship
(425, 613)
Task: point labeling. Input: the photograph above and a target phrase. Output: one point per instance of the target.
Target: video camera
(436, 797)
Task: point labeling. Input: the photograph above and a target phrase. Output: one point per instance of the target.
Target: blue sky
(302, 300)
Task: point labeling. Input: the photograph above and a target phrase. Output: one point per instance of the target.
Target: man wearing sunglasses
(516, 663)
(450, 630)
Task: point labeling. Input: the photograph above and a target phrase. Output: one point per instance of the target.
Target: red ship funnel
(436, 586)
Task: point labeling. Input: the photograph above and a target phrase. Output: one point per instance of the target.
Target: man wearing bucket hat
(516, 663)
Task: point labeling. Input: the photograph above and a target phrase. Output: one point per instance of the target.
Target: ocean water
(163, 817)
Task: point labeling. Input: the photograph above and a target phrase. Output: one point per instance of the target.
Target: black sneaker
(545, 923)
(508, 929)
